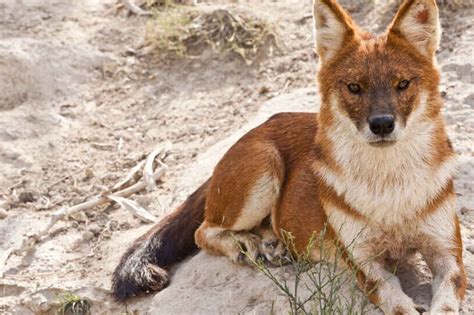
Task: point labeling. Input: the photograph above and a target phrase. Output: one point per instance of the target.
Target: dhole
(375, 166)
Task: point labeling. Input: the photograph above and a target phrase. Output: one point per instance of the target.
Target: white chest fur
(388, 185)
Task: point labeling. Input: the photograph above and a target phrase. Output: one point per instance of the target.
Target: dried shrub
(185, 32)
(324, 287)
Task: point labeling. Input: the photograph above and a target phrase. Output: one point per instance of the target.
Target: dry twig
(132, 7)
(134, 208)
(129, 177)
(107, 196)
(148, 168)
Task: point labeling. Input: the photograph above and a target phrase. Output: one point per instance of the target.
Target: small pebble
(44, 306)
(3, 213)
(125, 226)
(79, 216)
(154, 133)
(26, 196)
(113, 225)
(194, 130)
(144, 201)
(470, 248)
(470, 286)
(87, 235)
(94, 229)
(3, 204)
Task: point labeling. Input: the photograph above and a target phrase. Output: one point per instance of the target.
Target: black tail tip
(140, 280)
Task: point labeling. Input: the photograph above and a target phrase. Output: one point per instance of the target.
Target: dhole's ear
(417, 22)
(333, 28)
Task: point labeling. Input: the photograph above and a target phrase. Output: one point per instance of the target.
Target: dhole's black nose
(382, 125)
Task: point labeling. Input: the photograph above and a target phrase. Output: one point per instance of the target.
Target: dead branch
(148, 168)
(21, 182)
(132, 7)
(105, 197)
(129, 177)
(3, 260)
(93, 202)
(134, 208)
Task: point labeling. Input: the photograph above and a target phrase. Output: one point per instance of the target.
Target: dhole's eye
(354, 88)
(403, 85)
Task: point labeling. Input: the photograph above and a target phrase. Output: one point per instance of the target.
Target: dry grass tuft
(182, 31)
(72, 304)
(322, 288)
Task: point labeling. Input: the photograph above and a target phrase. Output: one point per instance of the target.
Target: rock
(264, 90)
(125, 226)
(154, 133)
(44, 306)
(26, 197)
(4, 204)
(94, 229)
(87, 235)
(465, 210)
(3, 213)
(470, 286)
(37, 303)
(113, 225)
(470, 248)
(144, 201)
(79, 217)
(194, 130)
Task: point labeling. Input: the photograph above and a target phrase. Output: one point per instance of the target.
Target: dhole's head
(376, 86)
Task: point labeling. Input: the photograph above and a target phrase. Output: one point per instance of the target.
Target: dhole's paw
(274, 250)
(408, 310)
(445, 310)
(444, 301)
(422, 309)
(248, 249)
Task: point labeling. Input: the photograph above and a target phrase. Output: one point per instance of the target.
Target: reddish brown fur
(291, 148)
(279, 145)
(459, 280)
(443, 144)
(369, 63)
(300, 211)
(342, 16)
(423, 16)
(435, 203)
(402, 11)
(329, 196)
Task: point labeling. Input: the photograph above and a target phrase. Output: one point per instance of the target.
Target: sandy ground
(80, 105)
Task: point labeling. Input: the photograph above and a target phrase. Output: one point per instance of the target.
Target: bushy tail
(143, 267)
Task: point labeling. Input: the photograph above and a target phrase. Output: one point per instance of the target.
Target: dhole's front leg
(380, 285)
(449, 284)
(383, 288)
(443, 254)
